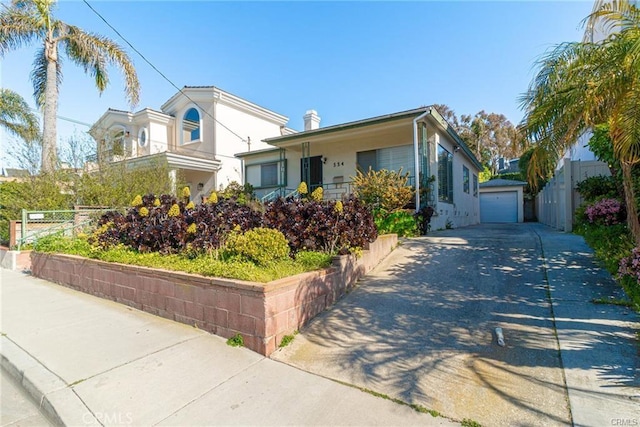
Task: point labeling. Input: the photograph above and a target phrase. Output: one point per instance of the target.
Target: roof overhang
(175, 161)
(361, 126)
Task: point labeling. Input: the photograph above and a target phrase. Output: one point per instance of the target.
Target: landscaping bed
(263, 313)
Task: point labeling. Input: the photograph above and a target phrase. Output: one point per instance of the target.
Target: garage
(499, 207)
(501, 201)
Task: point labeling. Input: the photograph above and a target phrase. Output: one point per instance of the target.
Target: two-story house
(197, 132)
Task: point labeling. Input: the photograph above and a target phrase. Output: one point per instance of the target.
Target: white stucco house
(197, 131)
(418, 141)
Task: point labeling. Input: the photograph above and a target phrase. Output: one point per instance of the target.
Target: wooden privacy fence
(556, 204)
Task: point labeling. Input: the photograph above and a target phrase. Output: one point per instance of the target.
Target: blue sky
(347, 60)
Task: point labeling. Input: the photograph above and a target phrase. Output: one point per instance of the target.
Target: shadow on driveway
(421, 328)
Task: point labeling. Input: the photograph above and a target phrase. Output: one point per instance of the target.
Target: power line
(158, 71)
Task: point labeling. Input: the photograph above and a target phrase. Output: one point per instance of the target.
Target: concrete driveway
(421, 328)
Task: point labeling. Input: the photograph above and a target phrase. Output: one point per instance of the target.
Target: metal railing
(332, 191)
(37, 224)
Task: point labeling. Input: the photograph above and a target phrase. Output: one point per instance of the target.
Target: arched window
(116, 141)
(191, 126)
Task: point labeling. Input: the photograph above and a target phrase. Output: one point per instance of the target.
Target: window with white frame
(465, 179)
(445, 175)
(190, 126)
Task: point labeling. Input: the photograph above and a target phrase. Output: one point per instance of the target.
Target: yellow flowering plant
(186, 193)
(137, 201)
(317, 194)
(174, 211)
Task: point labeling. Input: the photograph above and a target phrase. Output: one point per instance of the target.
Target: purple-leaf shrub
(322, 226)
(605, 211)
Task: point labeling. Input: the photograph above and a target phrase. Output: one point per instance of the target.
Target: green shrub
(260, 245)
(401, 222)
(199, 263)
(313, 260)
(611, 244)
(57, 243)
(389, 190)
(236, 341)
(599, 187)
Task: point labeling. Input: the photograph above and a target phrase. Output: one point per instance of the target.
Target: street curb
(56, 399)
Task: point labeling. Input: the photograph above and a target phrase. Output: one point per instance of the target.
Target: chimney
(311, 120)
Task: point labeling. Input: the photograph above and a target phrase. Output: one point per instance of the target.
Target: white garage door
(499, 206)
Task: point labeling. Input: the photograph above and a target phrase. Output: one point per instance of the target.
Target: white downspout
(416, 153)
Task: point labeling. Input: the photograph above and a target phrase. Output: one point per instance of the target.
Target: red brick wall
(262, 312)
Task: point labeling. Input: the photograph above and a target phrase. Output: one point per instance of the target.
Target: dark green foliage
(611, 243)
(600, 144)
(401, 222)
(423, 219)
(599, 187)
(513, 176)
(34, 193)
(322, 226)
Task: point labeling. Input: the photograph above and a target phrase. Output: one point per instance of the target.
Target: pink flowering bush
(630, 266)
(605, 211)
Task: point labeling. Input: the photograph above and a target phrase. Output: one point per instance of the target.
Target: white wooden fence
(556, 204)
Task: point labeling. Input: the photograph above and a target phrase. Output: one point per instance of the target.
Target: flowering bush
(605, 211)
(630, 266)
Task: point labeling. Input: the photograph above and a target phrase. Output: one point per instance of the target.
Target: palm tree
(32, 20)
(582, 84)
(16, 117)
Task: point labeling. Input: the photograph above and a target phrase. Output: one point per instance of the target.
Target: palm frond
(610, 17)
(94, 53)
(39, 76)
(16, 116)
(18, 28)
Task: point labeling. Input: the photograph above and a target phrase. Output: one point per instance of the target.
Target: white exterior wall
(246, 125)
(204, 146)
(340, 166)
(465, 209)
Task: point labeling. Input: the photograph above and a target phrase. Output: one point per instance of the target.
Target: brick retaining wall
(262, 312)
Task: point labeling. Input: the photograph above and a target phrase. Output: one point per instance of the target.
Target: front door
(311, 170)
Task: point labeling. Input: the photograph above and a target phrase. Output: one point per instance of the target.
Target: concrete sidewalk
(90, 361)
(598, 342)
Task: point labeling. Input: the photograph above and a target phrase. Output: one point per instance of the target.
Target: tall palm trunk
(630, 199)
(49, 132)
